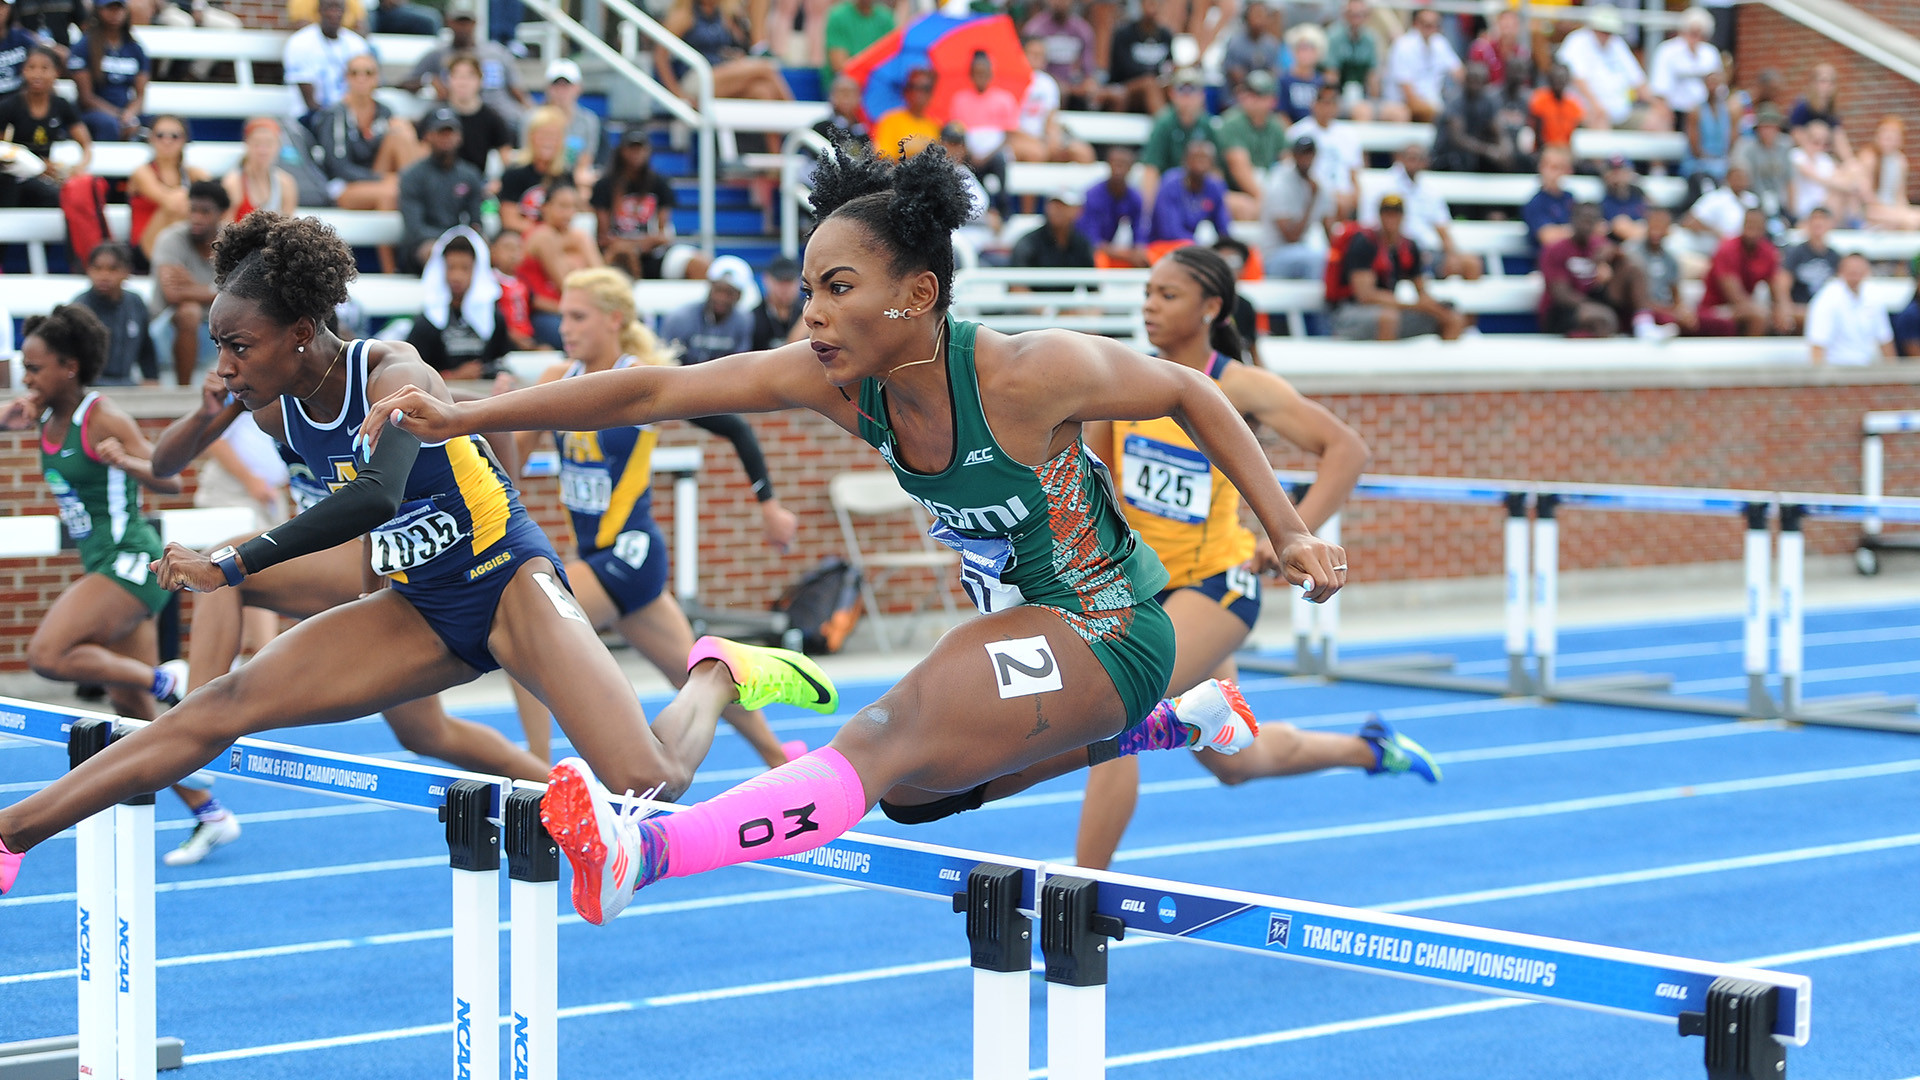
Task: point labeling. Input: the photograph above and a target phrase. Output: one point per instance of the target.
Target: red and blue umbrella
(944, 45)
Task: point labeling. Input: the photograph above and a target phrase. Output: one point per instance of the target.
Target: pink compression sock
(793, 808)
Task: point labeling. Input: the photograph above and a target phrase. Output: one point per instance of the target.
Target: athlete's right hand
(413, 410)
(213, 394)
(181, 567)
(1319, 567)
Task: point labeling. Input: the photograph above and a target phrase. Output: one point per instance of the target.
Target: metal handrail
(792, 186)
(699, 119)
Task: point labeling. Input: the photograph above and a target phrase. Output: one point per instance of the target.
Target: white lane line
(308, 873)
(1818, 675)
(1696, 648)
(1530, 810)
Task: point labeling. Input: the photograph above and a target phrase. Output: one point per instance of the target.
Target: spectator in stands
(1766, 157)
(1114, 217)
(441, 191)
(258, 182)
(1709, 131)
(1067, 48)
(508, 252)
(483, 131)
(401, 17)
(1256, 46)
(1141, 55)
(190, 13)
(1041, 136)
(1906, 325)
(1556, 114)
(718, 326)
(778, 315)
(1820, 180)
(500, 85)
(1882, 168)
(1622, 203)
(1182, 121)
(1811, 263)
(1549, 214)
(635, 205)
(1514, 117)
(124, 314)
(1251, 142)
(1189, 195)
(1297, 216)
(316, 58)
(1728, 306)
(909, 129)
(53, 23)
(301, 13)
(851, 26)
(1499, 46)
(1677, 74)
(1419, 66)
(580, 143)
(1245, 319)
(1822, 103)
(157, 190)
(1843, 326)
(15, 43)
(1301, 80)
(846, 126)
(1428, 221)
(1057, 244)
(554, 249)
(1337, 156)
(1361, 288)
(1468, 136)
(36, 118)
(1605, 76)
(183, 280)
(110, 72)
(542, 159)
(1591, 288)
(987, 112)
(460, 332)
(987, 191)
(1716, 217)
(1662, 270)
(1353, 52)
(363, 147)
(718, 31)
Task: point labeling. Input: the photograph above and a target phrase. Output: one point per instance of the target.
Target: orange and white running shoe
(1221, 717)
(600, 840)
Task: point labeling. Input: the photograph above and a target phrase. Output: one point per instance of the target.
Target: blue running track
(318, 944)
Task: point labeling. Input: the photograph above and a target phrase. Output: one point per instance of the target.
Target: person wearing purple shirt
(1107, 205)
(1070, 55)
(1188, 196)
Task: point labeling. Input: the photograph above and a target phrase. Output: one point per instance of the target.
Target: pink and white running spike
(1221, 716)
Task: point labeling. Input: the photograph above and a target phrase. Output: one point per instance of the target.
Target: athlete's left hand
(181, 567)
(113, 452)
(1265, 560)
(1320, 567)
(781, 524)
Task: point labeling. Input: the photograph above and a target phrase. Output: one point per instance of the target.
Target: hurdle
(1749, 1016)
(1874, 428)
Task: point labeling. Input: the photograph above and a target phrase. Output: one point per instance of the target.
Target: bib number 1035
(409, 544)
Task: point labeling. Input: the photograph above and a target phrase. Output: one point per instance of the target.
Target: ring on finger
(1342, 566)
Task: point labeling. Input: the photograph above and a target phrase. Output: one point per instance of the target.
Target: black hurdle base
(59, 1058)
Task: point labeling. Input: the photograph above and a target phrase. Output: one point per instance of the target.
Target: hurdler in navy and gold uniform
(606, 484)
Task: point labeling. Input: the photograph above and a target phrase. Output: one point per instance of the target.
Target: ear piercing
(301, 348)
(897, 313)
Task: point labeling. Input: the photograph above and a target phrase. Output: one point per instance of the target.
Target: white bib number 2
(404, 545)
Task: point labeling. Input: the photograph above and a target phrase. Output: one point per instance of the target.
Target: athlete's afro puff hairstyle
(293, 267)
(912, 207)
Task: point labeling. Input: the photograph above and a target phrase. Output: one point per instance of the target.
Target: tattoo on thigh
(1039, 719)
(562, 603)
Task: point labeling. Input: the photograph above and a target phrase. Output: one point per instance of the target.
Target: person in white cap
(1677, 72)
(1606, 77)
(500, 84)
(583, 127)
(720, 325)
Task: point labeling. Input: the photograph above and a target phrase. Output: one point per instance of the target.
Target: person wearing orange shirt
(1556, 114)
(907, 130)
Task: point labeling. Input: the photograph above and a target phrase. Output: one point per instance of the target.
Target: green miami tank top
(1049, 534)
(99, 504)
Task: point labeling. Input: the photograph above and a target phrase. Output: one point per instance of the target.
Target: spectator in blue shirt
(15, 43)
(1623, 204)
(109, 71)
(1906, 324)
(1188, 196)
(1108, 206)
(1549, 214)
(1301, 79)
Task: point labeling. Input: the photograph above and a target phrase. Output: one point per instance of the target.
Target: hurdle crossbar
(114, 858)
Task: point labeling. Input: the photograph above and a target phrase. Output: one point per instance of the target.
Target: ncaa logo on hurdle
(1168, 910)
(1279, 928)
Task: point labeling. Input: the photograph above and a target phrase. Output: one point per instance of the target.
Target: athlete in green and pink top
(983, 429)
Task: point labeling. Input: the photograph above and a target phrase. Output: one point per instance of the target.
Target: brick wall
(1770, 40)
(1793, 437)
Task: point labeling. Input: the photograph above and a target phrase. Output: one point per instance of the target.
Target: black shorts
(460, 609)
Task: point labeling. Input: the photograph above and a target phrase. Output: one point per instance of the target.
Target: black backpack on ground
(824, 605)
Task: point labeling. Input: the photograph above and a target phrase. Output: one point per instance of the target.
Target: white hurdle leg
(96, 921)
(1074, 939)
(533, 870)
(1793, 581)
(1759, 561)
(1002, 951)
(133, 919)
(1873, 472)
(686, 537)
(473, 846)
(1519, 680)
(1546, 589)
(1327, 615)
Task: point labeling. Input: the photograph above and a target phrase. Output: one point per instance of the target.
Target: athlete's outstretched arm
(1091, 378)
(784, 378)
(1307, 424)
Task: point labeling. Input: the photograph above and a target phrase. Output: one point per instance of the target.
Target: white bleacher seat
(1132, 128)
(1107, 128)
(1514, 189)
(748, 114)
(1874, 244)
(397, 52)
(118, 160)
(195, 101)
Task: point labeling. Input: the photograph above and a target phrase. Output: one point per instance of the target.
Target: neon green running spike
(769, 676)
